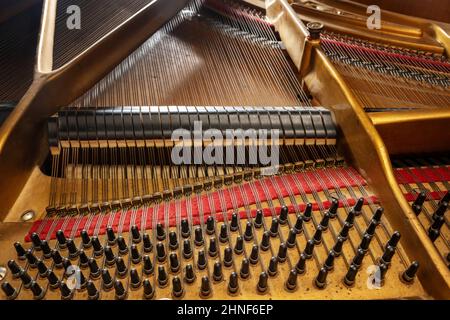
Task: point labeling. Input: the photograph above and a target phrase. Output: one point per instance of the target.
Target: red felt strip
(422, 175)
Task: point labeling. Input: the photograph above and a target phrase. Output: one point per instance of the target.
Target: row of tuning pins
(58, 261)
(189, 274)
(438, 217)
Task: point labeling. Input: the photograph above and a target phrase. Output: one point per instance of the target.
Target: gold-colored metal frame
(364, 145)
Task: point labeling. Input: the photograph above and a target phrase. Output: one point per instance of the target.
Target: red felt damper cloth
(248, 193)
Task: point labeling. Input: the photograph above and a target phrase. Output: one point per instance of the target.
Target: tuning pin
(97, 246)
(233, 284)
(174, 263)
(53, 280)
(329, 262)
(265, 241)
(26, 279)
(239, 246)
(135, 280)
(135, 234)
(350, 220)
(198, 240)
(245, 268)
(434, 230)
(201, 260)
(73, 250)
(273, 267)
(185, 230)
(350, 276)
(223, 237)
(20, 251)
(344, 231)
(42, 269)
(94, 269)
(57, 259)
(445, 198)
(135, 255)
(160, 232)
(383, 271)
(228, 257)
(321, 279)
(66, 292)
(111, 236)
(365, 242)
(440, 211)
(93, 293)
(148, 246)
(282, 252)
(213, 251)
(177, 287)
(334, 206)
(210, 225)
(409, 274)
(31, 258)
(47, 252)
(318, 235)
(325, 221)
(358, 206)
(14, 268)
(254, 255)
(377, 215)
(309, 248)
(418, 203)
(110, 258)
(357, 260)
(262, 282)
(291, 241)
(274, 228)
(371, 228)
(67, 265)
(120, 292)
(217, 273)
(301, 264)
(148, 265)
(248, 235)
(337, 248)
(393, 241)
(308, 212)
(163, 279)
(284, 211)
(148, 289)
(61, 239)
(173, 240)
(387, 255)
(85, 239)
(234, 226)
(121, 267)
(187, 250)
(291, 282)
(82, 282)
(36, 241)
(205, 289)
(106, 280)
(189, 275)
(9, 291)
(160, 252)
(298, 228)
(258, 222)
